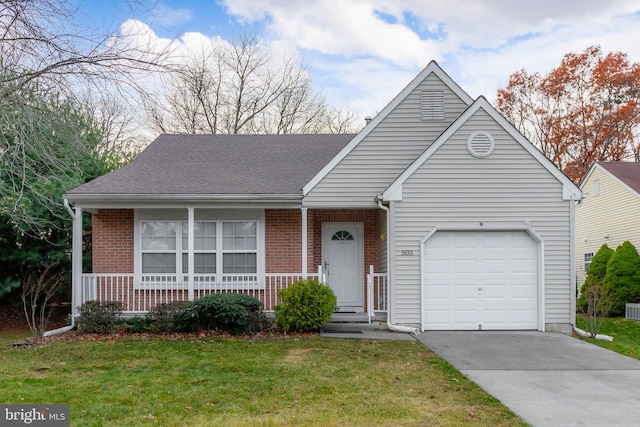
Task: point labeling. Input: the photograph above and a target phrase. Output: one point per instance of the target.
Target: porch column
(190, 255)
(76, 261)
(304, 242)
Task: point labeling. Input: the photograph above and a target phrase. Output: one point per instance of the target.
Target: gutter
(392, 327)
(160, 197)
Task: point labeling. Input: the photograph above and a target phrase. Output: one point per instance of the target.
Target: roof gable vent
(480, 144)
(432, 105)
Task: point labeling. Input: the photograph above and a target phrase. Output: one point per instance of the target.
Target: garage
(480, 280)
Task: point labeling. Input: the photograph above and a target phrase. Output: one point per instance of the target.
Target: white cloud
(362, 52)
(479, 43)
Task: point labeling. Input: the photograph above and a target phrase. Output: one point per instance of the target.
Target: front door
(343, 263)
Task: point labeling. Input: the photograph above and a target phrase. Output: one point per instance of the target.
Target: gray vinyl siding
(509, 188)
(614, 213)
(385, 152)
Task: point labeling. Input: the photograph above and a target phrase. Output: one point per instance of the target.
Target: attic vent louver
(480, 144)
(432, 105)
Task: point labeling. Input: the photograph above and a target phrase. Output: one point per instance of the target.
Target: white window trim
(202, 215)
(584, 259)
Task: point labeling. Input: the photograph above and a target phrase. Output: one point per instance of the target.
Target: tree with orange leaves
(585, 110)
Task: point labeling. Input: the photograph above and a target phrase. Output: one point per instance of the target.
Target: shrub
(136, 324)
(622, 279)
(595, 276)
(231, 312)
(163, 317)
(305, 306)
(99, 317)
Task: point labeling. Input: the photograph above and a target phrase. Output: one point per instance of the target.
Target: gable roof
(434, 68)
(627, 173)
(394, 190)
(206, 165)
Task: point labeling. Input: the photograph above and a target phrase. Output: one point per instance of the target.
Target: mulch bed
(12, 319)
(176, 336)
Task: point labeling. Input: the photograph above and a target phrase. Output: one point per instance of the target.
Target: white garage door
(480, 280)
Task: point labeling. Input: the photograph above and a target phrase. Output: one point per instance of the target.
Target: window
(587, 260)
(596, 188)
(342, 235)
(240, 247)
(204, 247)
(159, 246)
(162, 241)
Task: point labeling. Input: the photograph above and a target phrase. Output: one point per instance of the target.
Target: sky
(361, 53)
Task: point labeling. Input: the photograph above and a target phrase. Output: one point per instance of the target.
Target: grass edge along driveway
(243, 382)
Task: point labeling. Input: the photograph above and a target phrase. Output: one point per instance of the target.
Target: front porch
(139, 293)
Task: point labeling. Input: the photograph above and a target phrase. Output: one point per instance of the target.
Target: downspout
(73, 278)
(392, 327)
(590, 335)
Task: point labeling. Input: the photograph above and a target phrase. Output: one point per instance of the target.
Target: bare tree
(242, 87)
(37, 292)
(42, 40)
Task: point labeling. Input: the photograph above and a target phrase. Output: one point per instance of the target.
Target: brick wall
(283, 238)
(112, 241)
(371, 232)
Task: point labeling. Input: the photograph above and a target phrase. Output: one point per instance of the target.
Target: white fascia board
(570, 190)
(393, 193)
(589, 172)
(434, 68)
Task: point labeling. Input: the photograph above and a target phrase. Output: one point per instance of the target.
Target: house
(609, 212)
(438, 213)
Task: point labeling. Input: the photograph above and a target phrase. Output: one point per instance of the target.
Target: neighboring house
(609, 212)
(438, 213)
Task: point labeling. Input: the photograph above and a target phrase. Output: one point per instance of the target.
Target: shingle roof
(220, 164)
(627, 172)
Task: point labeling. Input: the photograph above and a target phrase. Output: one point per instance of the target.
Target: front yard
(194, 381)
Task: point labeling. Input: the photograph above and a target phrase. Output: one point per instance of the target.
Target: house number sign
(408, 252)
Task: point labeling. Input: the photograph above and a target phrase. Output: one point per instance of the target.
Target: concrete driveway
(547, 379)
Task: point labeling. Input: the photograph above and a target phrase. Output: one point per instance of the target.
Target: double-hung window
(219, 247)
(159, 247)
(204, 247)
(240, 247)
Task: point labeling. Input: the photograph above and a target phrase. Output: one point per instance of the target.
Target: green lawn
(625, 333)
(242, 382)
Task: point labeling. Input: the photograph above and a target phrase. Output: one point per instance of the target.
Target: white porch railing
(139, 293)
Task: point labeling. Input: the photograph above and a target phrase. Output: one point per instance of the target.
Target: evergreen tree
(595, 274)
(622, 279)
(48, 145)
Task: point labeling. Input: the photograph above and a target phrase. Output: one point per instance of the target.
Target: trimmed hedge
(231, 312)
(305, 306)
(163, 317)
(99, 317)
